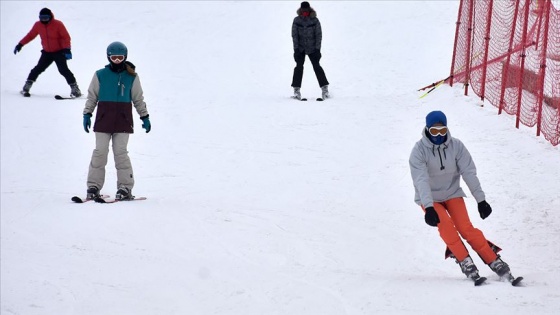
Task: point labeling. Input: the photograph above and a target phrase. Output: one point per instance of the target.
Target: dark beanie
(436, 117)
(46, 11)
(305, 5)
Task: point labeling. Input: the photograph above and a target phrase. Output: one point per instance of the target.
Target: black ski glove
(431, 216)
(18, 48)
(484, 209)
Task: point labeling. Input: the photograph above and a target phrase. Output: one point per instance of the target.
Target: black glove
(484, 209)
(431, 216)
(18, 48)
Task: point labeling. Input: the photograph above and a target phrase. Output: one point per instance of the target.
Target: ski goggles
(44, 17)
(438, 130)
(117, 58)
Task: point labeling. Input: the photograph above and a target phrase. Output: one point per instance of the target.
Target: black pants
(46, 60)
(299, 57)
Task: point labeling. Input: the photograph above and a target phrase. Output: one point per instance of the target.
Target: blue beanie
(436, 117)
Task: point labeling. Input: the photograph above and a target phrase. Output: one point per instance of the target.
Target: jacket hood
(312, 14)
(46, 11)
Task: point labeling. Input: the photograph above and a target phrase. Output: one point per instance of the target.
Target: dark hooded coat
(306, 32)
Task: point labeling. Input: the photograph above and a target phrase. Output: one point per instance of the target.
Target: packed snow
(257, 203)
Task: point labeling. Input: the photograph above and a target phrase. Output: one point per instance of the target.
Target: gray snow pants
(96, 174)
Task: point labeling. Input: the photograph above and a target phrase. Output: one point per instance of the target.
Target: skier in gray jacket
(437, 163)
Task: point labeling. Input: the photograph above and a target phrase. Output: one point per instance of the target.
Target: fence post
(469, 46)
(523, 56)
(486, 45)
(458, 24)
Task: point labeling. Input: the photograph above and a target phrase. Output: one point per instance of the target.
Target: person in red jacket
(56, 47)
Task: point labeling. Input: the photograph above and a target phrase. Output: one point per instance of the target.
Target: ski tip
(77, 199)
(320, 99)
(304, 100)
(516, 282)
(58, 97)
(479, 281)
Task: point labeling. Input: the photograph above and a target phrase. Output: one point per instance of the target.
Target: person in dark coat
(56, 48)
(114, 90)
(307, 36)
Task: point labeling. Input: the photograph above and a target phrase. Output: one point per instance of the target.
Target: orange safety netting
(509, 54)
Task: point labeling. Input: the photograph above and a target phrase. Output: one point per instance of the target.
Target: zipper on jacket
(121, 85)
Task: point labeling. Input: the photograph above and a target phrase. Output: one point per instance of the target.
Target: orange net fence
(508, 52)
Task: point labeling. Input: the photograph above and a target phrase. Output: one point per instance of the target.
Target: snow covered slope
(258, 204)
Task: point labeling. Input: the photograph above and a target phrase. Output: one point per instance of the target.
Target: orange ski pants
(455, 221)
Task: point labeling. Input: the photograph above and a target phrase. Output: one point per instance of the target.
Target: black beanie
(45, 11)
(305, 5)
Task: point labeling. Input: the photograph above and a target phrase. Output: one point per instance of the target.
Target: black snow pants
(46, 60)
(314, 57)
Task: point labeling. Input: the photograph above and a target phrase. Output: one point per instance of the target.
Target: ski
(513, 280)
(77, 199)
(58, 97)
(106, 200)
(478, 281)
(319, 99)
(303, 99)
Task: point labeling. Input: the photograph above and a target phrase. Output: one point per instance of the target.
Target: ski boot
(123, 194)
(469, 269)
(92, 193)
(501, 268)
(297, 93)
(75, 90)
(26, 87)
(325, 91)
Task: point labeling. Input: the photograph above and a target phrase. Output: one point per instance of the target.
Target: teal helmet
(117, 48)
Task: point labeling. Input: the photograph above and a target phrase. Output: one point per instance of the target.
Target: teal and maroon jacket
(114, 94)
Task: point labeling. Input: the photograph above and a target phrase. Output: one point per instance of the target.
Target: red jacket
(54, 35)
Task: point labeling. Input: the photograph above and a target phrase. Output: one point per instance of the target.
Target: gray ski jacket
(306, 33)
(437, 170)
